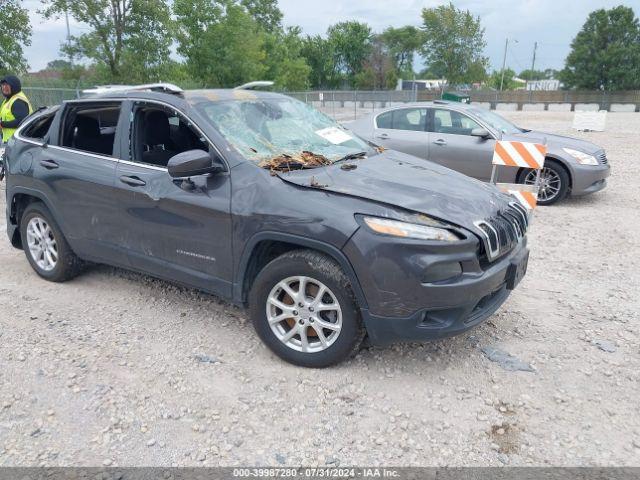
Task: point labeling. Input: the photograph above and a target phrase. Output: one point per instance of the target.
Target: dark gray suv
(260, 199)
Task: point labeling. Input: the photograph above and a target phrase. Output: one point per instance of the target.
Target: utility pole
(533, 61)
(66, 17)
(504, 61)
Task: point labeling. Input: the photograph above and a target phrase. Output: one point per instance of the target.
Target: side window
(39, 128)
(159, 133)
(412, 119)
(385, 120)
(91, 127)
(451, 122)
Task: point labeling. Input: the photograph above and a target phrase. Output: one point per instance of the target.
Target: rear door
(173, 228)
(404, 130)
(76, 171)
(453, 146)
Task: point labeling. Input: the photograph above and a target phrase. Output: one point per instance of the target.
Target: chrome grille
(503, 231)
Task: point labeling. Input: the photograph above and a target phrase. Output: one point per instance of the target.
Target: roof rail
(254, 85)
(442, 102)
(149, 87)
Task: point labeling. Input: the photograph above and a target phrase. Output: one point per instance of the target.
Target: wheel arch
(21, 198)
(265, 246)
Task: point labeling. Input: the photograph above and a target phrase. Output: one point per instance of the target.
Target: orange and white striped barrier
(519, 154)
(527, 195)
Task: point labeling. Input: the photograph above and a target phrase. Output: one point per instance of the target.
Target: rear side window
(91, 127)
(39, 128)
(412, 119)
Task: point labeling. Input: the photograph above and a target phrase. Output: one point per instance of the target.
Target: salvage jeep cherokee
(262, 200)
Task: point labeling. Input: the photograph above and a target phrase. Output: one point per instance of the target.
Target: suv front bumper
(401, 307)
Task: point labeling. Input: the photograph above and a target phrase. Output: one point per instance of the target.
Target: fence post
(355, 104)
(333, 102)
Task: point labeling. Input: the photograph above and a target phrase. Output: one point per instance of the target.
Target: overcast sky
(552, 23)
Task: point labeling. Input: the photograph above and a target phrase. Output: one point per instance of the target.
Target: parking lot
(115, 368)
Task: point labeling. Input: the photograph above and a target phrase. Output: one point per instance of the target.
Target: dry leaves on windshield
(287, 163)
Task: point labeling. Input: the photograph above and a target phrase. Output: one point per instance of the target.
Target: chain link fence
(47, 96)
(346, 105)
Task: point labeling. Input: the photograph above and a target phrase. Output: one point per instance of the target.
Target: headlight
(581, 157)
(397, 228)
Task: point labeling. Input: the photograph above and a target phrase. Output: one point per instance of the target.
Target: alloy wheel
(304, 314)
(42, 244)
(550, 183)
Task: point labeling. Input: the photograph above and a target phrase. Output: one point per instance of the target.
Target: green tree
(453, 42)
(351, 45)
(606, 52)
(15, 34)
(379, 70)
(318, 54)
(402, 44)
(285, 63)
(509, 82)
(224, 46)
(532, 75)
(266, 13)
(128, 40)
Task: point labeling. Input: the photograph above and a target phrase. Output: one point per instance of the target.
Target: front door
(452, 145)
(174, 229)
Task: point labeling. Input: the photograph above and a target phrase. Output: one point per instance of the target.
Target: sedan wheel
(550, 183)
(304, 314)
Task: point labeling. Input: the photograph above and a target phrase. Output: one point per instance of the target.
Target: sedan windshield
(263, 129)
(496, 121)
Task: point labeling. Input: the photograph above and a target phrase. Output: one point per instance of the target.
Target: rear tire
(303, 308)
(555, 182)
(45, 247)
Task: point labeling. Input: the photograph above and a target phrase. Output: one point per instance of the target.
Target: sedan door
(404, 130)
(176, 229)
(453, 146)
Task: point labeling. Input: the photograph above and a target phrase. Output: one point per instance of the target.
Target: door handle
(383, 136)
(49, 164)
(440, 142)
(133, 181)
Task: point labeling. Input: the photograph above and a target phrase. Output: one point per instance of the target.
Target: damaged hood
(554, 142)
(410, 183)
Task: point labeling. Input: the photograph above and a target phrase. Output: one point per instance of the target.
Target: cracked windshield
(282, 133)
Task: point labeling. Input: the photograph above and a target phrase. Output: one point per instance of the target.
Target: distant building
(547, 84)
(435, 84)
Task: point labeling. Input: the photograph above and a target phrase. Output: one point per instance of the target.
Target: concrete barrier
(367, 105)
(510, 107)
(316, 104)
(559, 107)
(622, 107)
(485, 105)
(349, 104)
(587, 107)
(395, 104)
(533, 107)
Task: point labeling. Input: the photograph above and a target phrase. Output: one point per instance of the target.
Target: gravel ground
(116, 368)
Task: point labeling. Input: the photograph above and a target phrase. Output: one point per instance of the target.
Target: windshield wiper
(351, 156)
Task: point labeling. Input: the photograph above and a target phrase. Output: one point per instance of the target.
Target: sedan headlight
(581, 157)
(397, 228)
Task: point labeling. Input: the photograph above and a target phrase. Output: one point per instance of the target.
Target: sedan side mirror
(192, 163)
(480, 132)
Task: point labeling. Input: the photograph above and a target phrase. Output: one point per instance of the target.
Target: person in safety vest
(14, 108)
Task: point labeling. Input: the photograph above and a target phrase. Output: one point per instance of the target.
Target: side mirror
(192, 163)
(480, 132)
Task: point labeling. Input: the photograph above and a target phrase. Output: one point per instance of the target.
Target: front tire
(46, 249)
(554, 182)
(303, 308)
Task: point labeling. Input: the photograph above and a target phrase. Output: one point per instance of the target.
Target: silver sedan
(462, 137)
